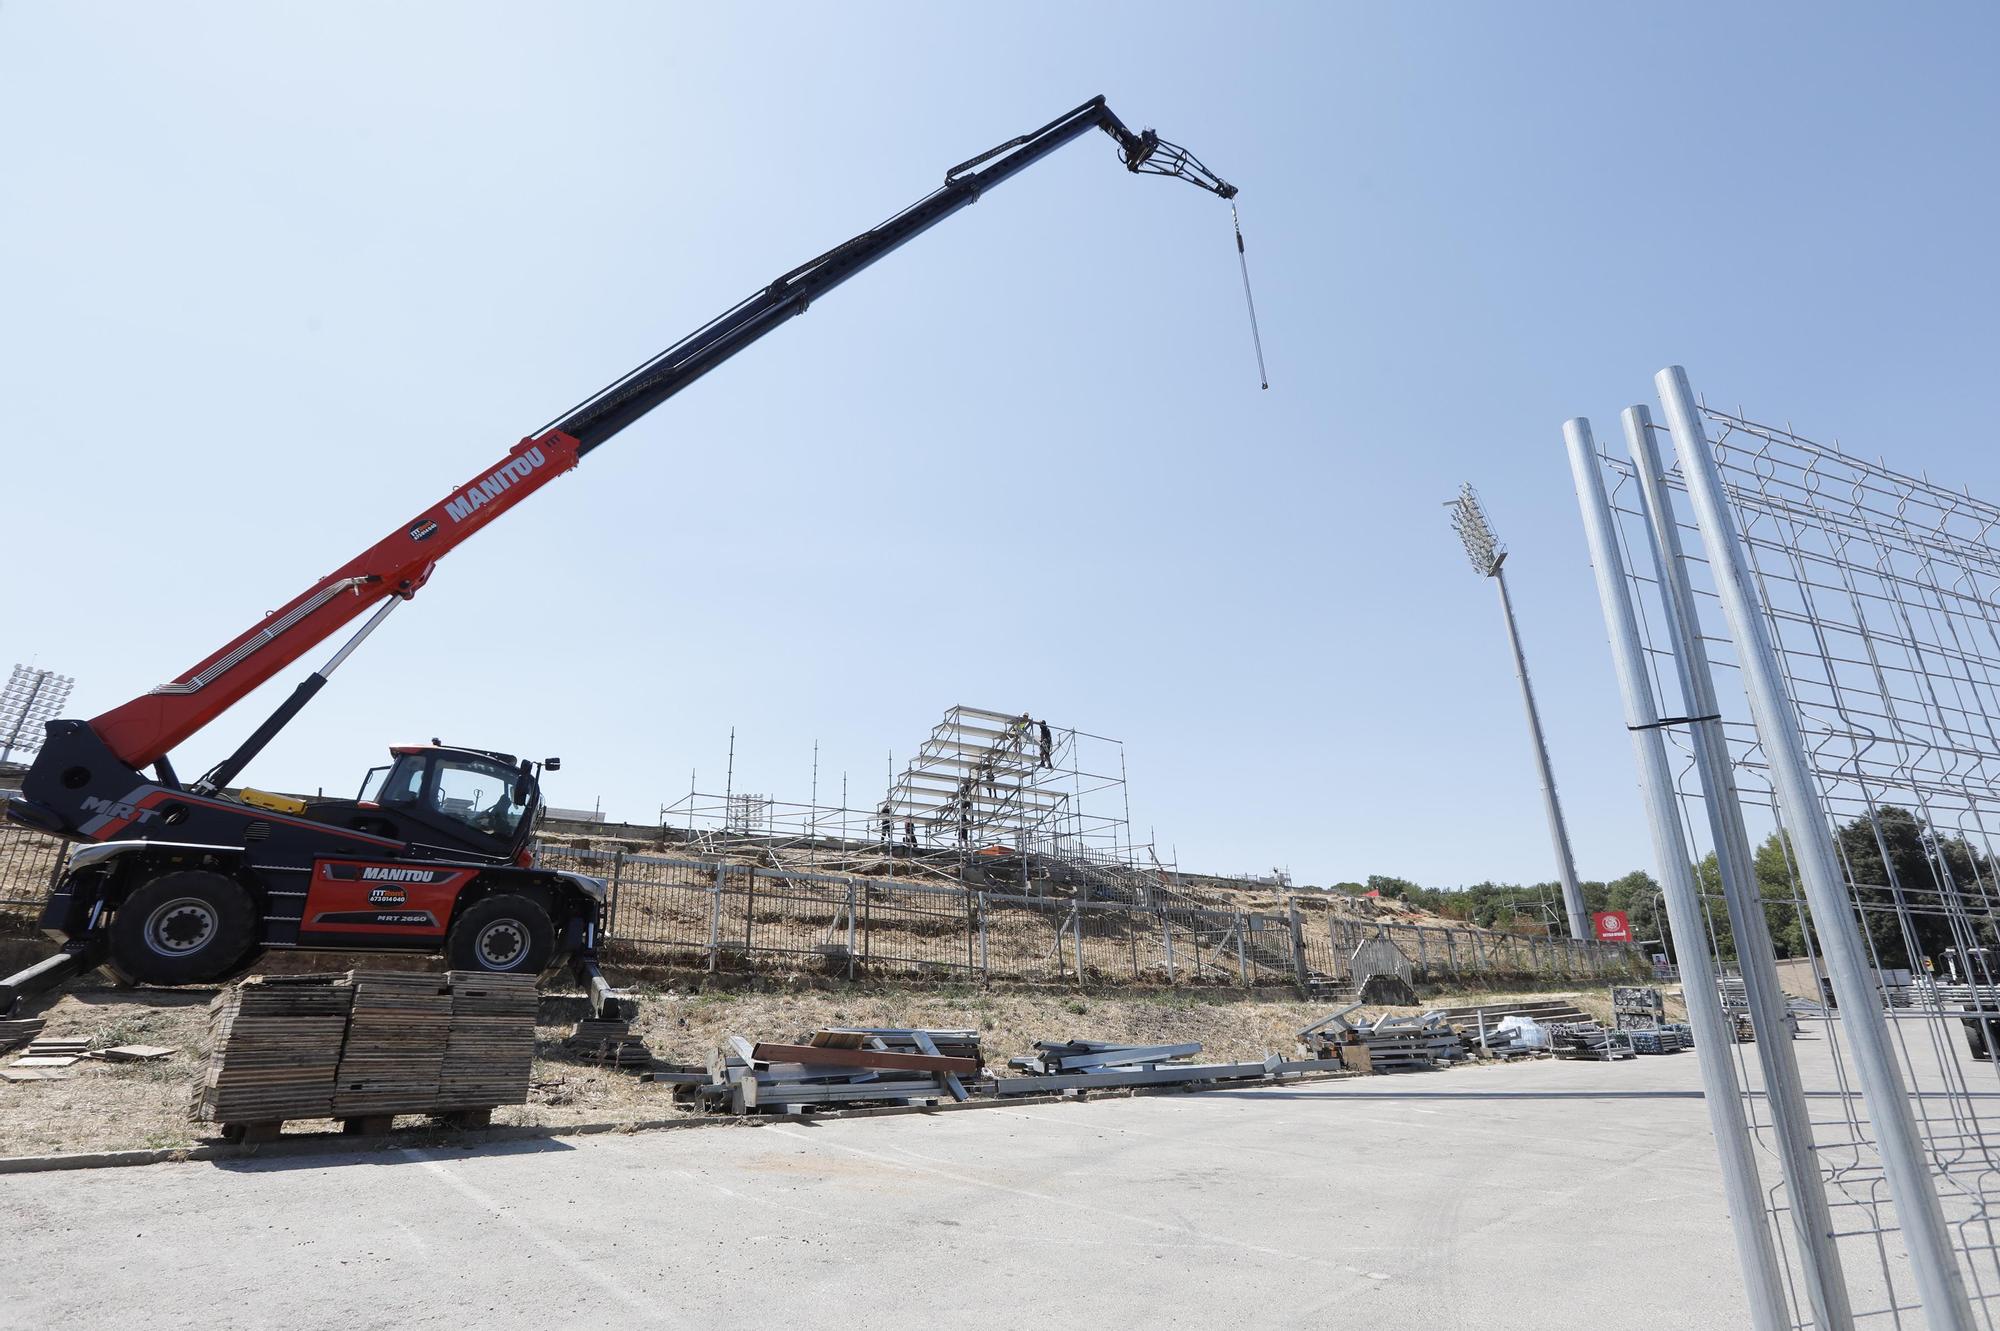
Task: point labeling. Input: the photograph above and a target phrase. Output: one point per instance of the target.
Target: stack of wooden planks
(609, 1040)
(368, 1045)
(489, 1057)
(18, 1030)
(395, 1044)
(276, 1045)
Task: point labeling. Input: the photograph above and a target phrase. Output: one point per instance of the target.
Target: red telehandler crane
(180, 882)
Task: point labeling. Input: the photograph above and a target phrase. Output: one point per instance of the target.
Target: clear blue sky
(276, 277)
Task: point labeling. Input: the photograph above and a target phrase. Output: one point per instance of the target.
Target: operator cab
(468, 800)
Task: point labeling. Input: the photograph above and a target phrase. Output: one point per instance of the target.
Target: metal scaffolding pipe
(1791, 1121)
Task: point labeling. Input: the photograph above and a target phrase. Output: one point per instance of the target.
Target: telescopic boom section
(143, 731)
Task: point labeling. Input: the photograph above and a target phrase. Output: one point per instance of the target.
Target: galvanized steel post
(1939, 1280)
(715, 918)
(1762, 1276)
(1791, 1119)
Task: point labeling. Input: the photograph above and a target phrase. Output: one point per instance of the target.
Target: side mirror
(552, 764)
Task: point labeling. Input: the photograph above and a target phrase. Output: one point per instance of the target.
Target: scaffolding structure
(998, 798)
(991, 782)
(1814, 660)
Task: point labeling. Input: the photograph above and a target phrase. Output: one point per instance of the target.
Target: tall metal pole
(1488, 558)
(1763, 1277)
(1939, 1281)
(1791, 1122)
(1579, 918)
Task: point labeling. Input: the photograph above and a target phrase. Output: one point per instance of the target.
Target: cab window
(478, 793)
(405, 781)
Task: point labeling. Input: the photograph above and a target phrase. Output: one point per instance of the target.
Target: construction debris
(836, 1067)
(1389, 1044)
(1588, 1040)
(135, 1053)
(1075, 1065)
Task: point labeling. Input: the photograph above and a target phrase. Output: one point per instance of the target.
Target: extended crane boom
(187, 884)
(142, 732)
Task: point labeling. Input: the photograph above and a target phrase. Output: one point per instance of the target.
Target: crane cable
(1263, 379)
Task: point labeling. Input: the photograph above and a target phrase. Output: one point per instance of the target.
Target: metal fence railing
(738, 917)
(30, 864)
(735, 917)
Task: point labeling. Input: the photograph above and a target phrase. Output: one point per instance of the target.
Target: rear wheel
(506, 933)
(182, 928)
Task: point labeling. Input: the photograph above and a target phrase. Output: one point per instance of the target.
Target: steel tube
(1939, 1281)
(1763, 1277)
(1791, 1121)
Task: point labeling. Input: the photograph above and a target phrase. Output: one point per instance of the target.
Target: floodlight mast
(31, 698)
(1488, 556)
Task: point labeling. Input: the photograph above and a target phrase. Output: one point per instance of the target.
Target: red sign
(1612, 926)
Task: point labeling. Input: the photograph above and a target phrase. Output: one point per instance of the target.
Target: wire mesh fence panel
(1272, 954)
(921, 930)
(1113, 944)
(1026, 938)
(1319, 939)
(29, 865)
(1878, 596)
(794, 919)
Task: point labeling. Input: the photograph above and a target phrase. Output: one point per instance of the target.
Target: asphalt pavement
(1538, 1196)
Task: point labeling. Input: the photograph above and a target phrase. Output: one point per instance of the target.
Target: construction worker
(888, 824)
(910, 833)
(1048, 744)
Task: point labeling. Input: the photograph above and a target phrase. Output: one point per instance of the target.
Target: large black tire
(183, 927)
(507, 933)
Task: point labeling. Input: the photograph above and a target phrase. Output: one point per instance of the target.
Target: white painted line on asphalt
(648, 1309)
(905, 1159)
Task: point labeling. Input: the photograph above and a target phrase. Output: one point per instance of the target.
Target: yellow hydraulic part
(264, 799)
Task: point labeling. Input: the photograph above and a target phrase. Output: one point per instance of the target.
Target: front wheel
(183, 927)
(506, 933)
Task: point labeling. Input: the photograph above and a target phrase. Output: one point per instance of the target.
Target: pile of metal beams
(1665, 1039)
(1081, 1065)
(1499, 1042)
(843, 1067)
(1588, 1040)
(1387, 1044)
